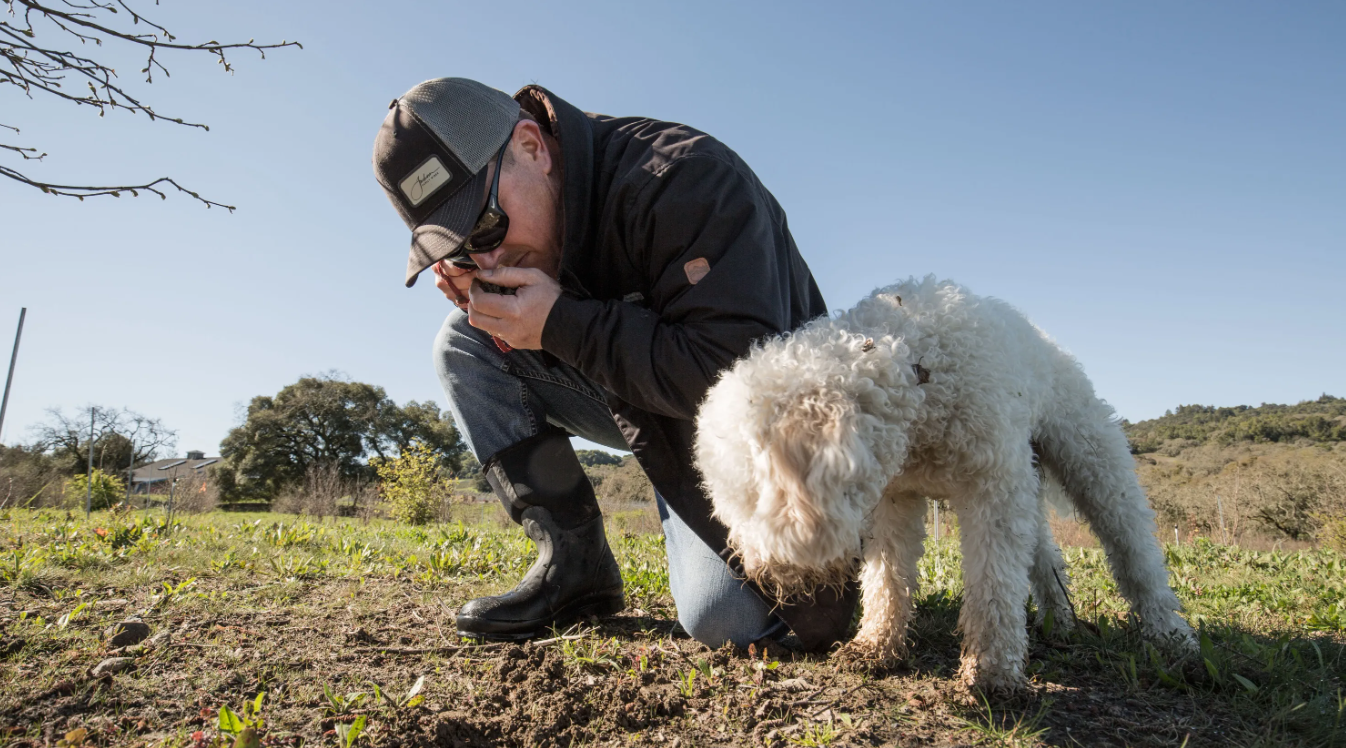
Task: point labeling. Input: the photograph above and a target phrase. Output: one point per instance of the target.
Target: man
(605, 270)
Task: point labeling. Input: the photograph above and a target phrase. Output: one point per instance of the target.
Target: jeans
(499, 399)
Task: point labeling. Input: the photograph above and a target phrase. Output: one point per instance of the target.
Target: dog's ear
(811, 454)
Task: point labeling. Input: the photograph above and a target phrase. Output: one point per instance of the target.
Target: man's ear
(531, 146)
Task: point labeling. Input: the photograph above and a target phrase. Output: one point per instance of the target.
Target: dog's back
(984, 364)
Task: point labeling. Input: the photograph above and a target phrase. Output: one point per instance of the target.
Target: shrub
(413, 485)
(480, 484)
(108, 489)
(1332, 532)
(325, 492)
(29, 478)
(1292, 498)
(624, 484)
(195, 494)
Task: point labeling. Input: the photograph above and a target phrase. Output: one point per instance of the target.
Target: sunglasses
(491, 226)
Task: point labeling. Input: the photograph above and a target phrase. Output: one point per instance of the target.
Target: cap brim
(444, 232)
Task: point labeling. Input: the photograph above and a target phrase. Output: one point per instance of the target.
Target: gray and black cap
(430, 156)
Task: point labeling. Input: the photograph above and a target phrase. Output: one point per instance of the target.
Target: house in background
(157, 476)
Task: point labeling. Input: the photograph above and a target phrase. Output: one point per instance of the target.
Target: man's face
(530, 196)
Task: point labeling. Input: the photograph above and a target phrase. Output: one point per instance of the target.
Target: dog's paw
(1177, 644)
(867, 657)
(998, 682)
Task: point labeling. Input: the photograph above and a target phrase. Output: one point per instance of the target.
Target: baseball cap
(430, 157)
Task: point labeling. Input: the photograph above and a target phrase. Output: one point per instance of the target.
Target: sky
(1160, 186)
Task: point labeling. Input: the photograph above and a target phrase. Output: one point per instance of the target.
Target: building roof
(152, 473)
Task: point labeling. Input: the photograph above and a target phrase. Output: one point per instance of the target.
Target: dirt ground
(262, 630)
(633, 679)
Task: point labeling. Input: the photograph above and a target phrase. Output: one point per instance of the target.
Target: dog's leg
(999, 533)
(1089, 455)
(1048, 576)
(889, 579)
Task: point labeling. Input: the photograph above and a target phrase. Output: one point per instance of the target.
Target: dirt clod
(111, 665)
(128, 632)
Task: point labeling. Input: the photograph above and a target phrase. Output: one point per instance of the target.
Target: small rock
(111, 665)
(114, 603)
(128, 632)
(795, 685)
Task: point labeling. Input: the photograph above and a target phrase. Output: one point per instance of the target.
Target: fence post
(13, 357)
(88, 495)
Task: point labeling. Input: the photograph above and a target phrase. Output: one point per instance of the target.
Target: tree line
(1319, 421)
(318, 423)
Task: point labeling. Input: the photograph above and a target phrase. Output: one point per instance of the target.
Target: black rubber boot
(543, 487)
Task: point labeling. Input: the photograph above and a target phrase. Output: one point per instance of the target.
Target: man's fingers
(450, 270)
(512, 277)
(482, 321)
(515, 317)
(495, 305)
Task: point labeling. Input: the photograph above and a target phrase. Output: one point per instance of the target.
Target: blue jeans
(499, 399)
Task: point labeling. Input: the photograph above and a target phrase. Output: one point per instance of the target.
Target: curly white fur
(819, 448)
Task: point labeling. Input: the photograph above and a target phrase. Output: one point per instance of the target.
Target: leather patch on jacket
(696, 270)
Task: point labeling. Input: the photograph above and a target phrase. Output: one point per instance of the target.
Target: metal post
(130, 472)
(172, 489)
(172, 486)
(13, 357)
(1224, 536)
(88, 497)
(936, 521)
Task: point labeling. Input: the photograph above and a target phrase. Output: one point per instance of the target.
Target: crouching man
(605, 270)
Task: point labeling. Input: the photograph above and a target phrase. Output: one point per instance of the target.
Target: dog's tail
(1082, 447)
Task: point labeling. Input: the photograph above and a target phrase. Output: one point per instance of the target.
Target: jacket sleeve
(699, 210)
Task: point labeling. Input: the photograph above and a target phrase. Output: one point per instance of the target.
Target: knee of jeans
(456, 346)
(713, 626)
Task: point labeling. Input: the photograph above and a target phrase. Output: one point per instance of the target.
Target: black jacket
(675, 258)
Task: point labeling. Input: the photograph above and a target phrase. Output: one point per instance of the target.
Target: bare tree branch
(35, 67)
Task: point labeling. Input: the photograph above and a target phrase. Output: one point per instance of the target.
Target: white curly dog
(819, 448)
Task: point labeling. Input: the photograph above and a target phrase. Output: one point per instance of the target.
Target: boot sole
(596, 605)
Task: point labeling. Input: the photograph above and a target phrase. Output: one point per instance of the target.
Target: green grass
(271, 603)
(53, 550)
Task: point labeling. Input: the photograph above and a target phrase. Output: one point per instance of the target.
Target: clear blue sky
(1161, 186)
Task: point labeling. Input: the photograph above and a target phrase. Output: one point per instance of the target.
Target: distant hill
(1318, 421)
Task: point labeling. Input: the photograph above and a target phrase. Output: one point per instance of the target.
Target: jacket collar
(575, 134)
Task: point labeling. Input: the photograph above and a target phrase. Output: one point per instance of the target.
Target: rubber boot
(542, 486)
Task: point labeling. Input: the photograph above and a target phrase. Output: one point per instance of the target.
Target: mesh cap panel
(471, 118)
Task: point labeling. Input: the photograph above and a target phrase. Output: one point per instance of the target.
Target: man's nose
(488, 260)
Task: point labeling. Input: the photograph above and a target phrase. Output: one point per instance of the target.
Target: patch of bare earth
(629, 680)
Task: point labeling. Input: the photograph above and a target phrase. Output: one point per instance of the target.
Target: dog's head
(783, 454)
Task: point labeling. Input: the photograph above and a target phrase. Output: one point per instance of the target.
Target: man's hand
(518, 320)
(453, 281)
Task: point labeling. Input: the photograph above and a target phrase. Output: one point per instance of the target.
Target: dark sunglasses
(491, 226)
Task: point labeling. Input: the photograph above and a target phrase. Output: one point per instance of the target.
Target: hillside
(1318, 421)
(1273, 470)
